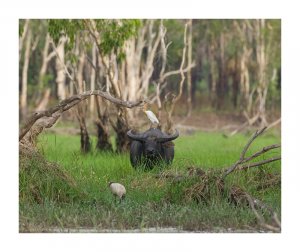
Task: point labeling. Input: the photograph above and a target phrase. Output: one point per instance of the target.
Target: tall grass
(150, 202)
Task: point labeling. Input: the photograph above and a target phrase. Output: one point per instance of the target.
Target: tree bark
(85, 144)
(212, 75)
(102, 125)
(23, 99)
(262, 89)
(24, 34)
(221, 83)
(60, 69)
(46, 57)
(94, 73)
(189, 73)
(44, 101)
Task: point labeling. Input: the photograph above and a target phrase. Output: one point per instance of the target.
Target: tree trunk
(44, 101)
(25, 29)
(244, 80)
(79, 74)
(93, 77)
(60, 69)
(262, 89)
(102, 125)
(45, 60)
(23, 100)
(222, 80)
(189, 73)
(212, 76)
(122, 141)
(235, 81)
(85, 144)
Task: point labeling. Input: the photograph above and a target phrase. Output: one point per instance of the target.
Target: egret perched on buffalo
(151, 116)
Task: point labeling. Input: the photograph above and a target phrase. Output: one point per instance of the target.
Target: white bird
(118, 190)
(151, 116)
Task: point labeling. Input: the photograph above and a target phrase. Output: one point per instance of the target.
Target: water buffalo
(151, 147)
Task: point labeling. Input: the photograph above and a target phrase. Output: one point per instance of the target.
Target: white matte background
(10, 12)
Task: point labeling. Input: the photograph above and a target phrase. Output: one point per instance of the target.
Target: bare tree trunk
(84, 135)
(244, 79)
(45, 60)
(121, 128)
(235, 81)
(82, 108)
(221, 83)
(44, 101)
(21, 41)
(102, 124)
(60, 69)
(79, 74)
(23, 100)
(189, 73)
(93, 77)
(262, 89)
(212, 75)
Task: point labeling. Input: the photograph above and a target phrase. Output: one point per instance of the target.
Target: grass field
(74, 193)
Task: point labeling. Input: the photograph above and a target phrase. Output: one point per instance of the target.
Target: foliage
(113, 32)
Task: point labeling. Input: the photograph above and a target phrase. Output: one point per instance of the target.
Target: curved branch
(69, 103)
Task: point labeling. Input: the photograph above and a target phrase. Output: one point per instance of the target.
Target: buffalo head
(151, 147)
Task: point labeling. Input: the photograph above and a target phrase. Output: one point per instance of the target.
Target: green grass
(77, 194)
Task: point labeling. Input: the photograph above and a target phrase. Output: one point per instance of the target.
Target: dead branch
(248, 123)
(244, 167)
(239, 196)
(176, 99)
(242, 159)
(273, 124)
(255, 203)
(68, 103)
(263, 150)
(174, 72)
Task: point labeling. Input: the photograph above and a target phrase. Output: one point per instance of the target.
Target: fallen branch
(263, 150)
(71, 102)
(244, 167)
(233, 167)
(239, 196)
(273, 124)
(254, 204)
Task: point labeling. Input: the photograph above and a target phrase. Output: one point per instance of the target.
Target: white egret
(151, 116)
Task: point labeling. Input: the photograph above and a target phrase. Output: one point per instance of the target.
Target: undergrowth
(66, 189)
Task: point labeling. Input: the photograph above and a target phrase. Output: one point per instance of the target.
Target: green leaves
(65, 27)
(113, 33)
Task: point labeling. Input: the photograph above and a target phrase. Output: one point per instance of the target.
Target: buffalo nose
(151, 151)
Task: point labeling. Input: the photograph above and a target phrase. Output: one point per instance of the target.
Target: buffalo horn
(136, 137)
(168, 138)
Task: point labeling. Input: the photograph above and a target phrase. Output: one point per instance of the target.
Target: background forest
(230, 66)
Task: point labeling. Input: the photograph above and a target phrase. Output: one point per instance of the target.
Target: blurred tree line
(228, 65)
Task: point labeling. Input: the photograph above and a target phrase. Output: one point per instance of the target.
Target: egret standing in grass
(118, 190)
(151, 116)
